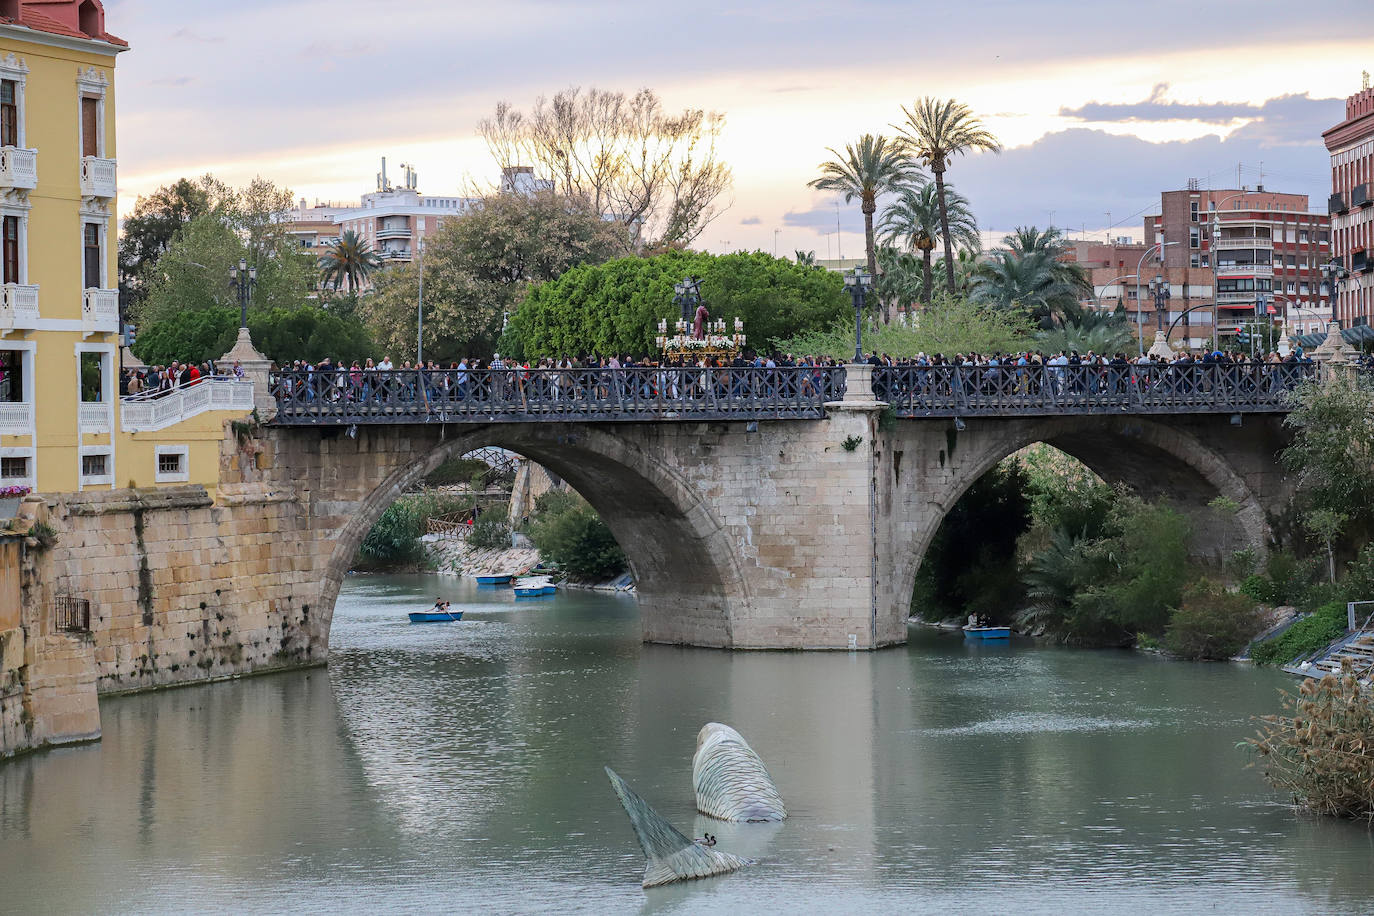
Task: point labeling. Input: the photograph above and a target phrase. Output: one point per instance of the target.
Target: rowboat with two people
(979, 627)
(440, 613)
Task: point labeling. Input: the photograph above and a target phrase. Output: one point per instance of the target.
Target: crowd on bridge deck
(1030, 372)
(157, 381)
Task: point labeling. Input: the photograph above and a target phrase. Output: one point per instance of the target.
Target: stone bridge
(773, 532)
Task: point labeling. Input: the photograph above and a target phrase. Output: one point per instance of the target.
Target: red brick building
(1351, 144)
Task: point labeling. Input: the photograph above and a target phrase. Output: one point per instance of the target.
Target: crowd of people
(155, 381)
(1025, 372)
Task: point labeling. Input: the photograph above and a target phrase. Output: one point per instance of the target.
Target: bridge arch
(686, 567)
(1188, 462)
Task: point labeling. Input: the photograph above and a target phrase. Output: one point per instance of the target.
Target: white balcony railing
(1244, 241)
(100, 311)
(1245, 270)
(154, 411)
(93, 417)
(393, 232)
(1239, 298)
(18, 307)
(18, 167)
(97, 177)
(16, 419)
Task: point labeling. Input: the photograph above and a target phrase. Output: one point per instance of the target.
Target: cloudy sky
(1100, 104)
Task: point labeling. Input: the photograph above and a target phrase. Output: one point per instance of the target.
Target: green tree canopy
(283, 335)
(949, 326)
(615, 307)
(477, 266)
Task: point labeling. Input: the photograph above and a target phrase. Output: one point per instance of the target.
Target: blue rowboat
(534, 587)
(435, 616)
(987, 632)
(494, 580)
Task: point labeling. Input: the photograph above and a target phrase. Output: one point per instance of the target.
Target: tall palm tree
(1026, 241)
(805, 258)
(350, 258)
(914, 218)
(902, 277)
(935, 132)
(873, 166)
(1031, 282)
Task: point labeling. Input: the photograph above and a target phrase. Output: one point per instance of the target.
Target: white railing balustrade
(97, 177)
(158, 410)
(93, 417)
(18, 307)
(18, 167)
(16, 419)
(100, 311)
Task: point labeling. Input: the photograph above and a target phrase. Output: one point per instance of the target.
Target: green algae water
(458, 768)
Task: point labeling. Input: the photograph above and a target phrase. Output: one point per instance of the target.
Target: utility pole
(420, 305)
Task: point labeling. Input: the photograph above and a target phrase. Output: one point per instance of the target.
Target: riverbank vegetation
(393, 543)
(1320, 748)
(570, 535)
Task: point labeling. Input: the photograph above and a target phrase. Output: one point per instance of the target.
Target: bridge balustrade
(1006, 391)
(342, 396)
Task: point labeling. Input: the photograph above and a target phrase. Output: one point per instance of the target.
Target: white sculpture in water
(731, 782)
(671, 856)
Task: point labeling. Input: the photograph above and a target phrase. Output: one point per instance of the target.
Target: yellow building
(63, 427)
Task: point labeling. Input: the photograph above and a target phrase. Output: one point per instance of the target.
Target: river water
(457, 767)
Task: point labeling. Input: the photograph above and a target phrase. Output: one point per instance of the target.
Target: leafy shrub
(394, 541)
(1211, 622)
(1284, 580)
(569, 533)
(457, 470)
(1321, 749)
(1304, 637)
(491, 530)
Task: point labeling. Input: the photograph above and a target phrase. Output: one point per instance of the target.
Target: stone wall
(47, 676)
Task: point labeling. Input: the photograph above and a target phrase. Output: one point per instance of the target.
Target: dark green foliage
(282, 334)
(190, 336)
(1285, 579)
(1106, 589)
(1332, 450)
(1314, 632)
(456, 470)
(570, 534)
(491, 530)
(615, 307)
(970, 566)
(394, 541)
(308, 333)
(1211, 622)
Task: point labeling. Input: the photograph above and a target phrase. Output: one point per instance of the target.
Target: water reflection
(458, 766)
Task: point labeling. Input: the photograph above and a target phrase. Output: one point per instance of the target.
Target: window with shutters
(91, 254)
(90, 126)
(9, 113)
(10, 231)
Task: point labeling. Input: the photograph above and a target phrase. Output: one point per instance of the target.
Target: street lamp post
(858, 282)
(420, 305)
(1162, 297)
(1113, 282)
(243, 278)
(1139, 323)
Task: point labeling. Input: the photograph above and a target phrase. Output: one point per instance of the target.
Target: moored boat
(534, 586)
(987, 632)
(496, 579)
(435, 616)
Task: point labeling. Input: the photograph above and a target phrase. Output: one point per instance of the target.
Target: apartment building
(62, 425)
(1351, 144)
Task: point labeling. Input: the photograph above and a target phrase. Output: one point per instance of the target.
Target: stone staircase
(1358, 647)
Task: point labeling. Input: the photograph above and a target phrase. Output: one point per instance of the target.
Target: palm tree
(805, 258)
(351, 258)
(1032, 282)
(935, 132)
(873, 166)
(914, 218)
(1050, 243)
(902, 277)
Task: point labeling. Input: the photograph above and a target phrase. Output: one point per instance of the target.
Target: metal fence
(71, 615)
(964, 391)
(533, 395)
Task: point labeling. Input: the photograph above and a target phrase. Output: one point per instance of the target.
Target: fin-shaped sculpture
(731, 782)
(671, 856)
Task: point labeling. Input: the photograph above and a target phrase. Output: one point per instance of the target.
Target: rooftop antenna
(839, 243)
(1109, 227)
(1364, 79)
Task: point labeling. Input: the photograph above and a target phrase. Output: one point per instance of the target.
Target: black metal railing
(312, 397)
(959, 391)
(71, 615)
(1336, 204)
